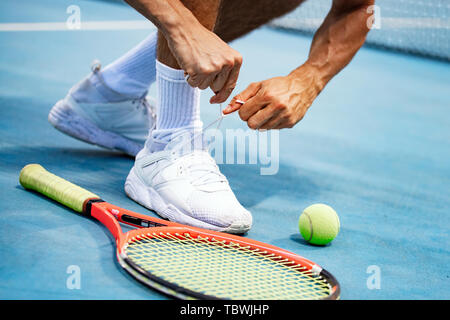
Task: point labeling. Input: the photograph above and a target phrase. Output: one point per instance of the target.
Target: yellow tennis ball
(319, 224)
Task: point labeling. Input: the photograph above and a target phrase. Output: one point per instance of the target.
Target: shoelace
(203, 169)
(197, 134)
(142, 103)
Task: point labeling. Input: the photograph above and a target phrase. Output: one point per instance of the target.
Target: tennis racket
(188, 262)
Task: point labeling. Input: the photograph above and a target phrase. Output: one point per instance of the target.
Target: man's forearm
(338, 39)
(186, 42)
(171, 17)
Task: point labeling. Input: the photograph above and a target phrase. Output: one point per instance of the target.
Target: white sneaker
(122, 126)
(188, 188)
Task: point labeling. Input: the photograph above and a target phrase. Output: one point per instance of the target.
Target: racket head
(197, 264)
(192, 263)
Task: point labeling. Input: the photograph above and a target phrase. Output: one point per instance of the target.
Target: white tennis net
(415, 26)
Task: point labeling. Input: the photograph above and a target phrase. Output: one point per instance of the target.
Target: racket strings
(224, 269)
(253, 251)
(226, 281)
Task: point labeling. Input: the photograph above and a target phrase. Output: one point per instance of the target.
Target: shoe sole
(149, 198)
(63, 118)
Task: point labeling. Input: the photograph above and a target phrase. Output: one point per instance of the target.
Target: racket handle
(35, 177)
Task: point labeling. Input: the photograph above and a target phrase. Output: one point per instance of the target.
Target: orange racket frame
(110, 216)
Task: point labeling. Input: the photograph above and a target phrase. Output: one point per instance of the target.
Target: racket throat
(87, 206)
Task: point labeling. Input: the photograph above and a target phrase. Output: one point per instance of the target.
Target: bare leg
(239, 17)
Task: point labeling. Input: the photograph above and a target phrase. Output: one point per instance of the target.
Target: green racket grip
(35, 177)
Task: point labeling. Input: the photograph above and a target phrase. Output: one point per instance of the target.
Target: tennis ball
(319, 224)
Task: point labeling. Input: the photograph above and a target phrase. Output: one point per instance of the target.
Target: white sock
(128, 77)
(132, 74)
(178, 106)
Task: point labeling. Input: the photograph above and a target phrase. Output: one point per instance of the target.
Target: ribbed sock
(178, 106)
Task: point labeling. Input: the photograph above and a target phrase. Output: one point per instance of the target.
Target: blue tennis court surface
(375, 146)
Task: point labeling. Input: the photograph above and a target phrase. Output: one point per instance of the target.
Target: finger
(207, 82)
(281, 125)
(272, 123)
(195, 80)
(260, 118)
(286, 123)
(221, 78)
(229, 86)
(275, 120)
(245, 95)
(252, 106)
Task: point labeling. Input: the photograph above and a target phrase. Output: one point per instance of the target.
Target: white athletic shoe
(122, 126)
(186, 187)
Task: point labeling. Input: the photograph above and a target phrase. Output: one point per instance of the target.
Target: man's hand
(279, 102)
(283, 101)
(209, 61)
